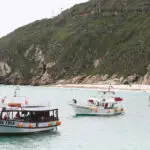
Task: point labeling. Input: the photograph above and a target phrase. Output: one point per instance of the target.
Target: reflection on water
(130, 131)
(27, 141)
(33, 135)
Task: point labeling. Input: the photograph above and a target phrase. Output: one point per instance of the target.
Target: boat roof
(36, 108)
(29, 108)
(106, 92)
(18, 103)
(106, 99)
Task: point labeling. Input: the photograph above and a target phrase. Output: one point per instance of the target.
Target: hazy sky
(16, 13)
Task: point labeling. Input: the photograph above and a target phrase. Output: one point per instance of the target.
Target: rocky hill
(98, 41)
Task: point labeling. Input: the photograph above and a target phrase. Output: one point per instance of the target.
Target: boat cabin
(106, 103)
(29, 114)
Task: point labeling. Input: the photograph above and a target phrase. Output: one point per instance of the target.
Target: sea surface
(130, 131)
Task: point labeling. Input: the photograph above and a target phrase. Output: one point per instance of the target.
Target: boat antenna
(15, 92)
(109, 87)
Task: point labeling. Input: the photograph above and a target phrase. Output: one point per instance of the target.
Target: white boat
(106, 105)
(21, 118)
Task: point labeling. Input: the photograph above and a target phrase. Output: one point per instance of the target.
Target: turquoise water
(128, 132)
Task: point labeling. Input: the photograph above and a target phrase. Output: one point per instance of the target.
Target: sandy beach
(134, 87)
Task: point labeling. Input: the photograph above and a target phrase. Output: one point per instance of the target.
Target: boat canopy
(36, 108)
(105, 92)
(29, 108)
(118, 99)
(92, 99)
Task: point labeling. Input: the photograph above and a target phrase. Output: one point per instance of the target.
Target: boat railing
(32, 120)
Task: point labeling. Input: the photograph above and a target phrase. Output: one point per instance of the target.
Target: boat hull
(6, 130)
(18, 127)
(88, 111)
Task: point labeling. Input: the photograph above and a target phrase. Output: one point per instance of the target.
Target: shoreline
(114, 87)
(134, 87)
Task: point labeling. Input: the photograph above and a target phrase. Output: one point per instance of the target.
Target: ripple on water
(125, 132)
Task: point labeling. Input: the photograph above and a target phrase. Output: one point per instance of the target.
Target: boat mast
(15, 92)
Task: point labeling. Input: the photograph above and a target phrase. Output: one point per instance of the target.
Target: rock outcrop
(81, 45)
(5, 69)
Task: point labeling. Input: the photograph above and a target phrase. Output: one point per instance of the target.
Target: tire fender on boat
(58, 123)
(19, 125)
(91, 108)
(122, 110)
(108, 111)
(115, 110)
(30, 125)
(96, 109)
(50, 124)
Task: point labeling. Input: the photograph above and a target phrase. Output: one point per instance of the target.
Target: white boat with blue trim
(21, 118)
(105, 105)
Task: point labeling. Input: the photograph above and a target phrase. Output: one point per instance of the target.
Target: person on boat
(42, 118)
(17, 115)
(97, 104)
(5, 117)
(75, 101)
(24, 115)
(112, 106)
(106, 106)
(115, 105)
(102, 104)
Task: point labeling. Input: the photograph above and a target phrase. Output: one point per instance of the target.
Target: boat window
(112, 105)
(25, 114)
(5, 116)
(97, 103)
(51, 115)
(17, 115)
(55, 115)
(104, 100)
(106, 106)
(36, 116)
(31, 116)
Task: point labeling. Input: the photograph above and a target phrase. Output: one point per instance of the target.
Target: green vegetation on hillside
(117, 34)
